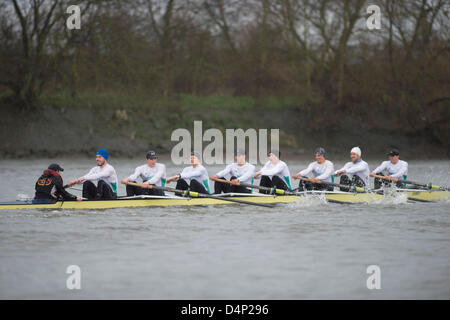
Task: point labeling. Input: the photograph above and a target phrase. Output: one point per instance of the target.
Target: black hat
(320, 151)
(151, 155)
(55, 167)
(394, 152)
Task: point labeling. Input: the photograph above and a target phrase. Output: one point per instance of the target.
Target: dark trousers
(276, 182)
(356, 181)
(138, 191)
(100, 192)
(307, 185)
(194, 186)
(377, 183)
(220, 187)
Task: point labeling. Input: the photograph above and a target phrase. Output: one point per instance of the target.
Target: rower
(106, 176)
(196, 174)
(240, 171)
(50, 185)
(152, 173)
(275, 173)
(395, 168)
(322, 170)
(358, 168)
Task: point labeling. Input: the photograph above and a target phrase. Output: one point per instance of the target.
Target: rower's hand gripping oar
(192, 194)
(270, 190)
(350, 187)
(428, 186)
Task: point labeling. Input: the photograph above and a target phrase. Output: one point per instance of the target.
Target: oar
(428, 186)
(351, 188)
(270, 190)
(187, 193)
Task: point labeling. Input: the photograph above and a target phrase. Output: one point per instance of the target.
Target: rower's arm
(357, 168)
(308, 170)
(102, 174)
(66, 195)
(136, 174)
(190, 174)
(248, 174)
(224, 172)
(345, 167)
(273, 171)
(328, 172)
(401, 172)
(380, 168)
(159, 174)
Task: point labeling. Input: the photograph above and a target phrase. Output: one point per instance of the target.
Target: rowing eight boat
(164, 201)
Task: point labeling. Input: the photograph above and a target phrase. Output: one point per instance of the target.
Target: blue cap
(103, 153)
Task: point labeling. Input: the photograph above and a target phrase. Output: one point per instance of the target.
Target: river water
(294, 251)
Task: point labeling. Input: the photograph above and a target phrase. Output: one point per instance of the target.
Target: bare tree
(36, 20)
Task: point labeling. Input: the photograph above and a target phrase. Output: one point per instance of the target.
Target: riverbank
(62, 127)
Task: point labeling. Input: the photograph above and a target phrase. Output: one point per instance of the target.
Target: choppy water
(309, 251)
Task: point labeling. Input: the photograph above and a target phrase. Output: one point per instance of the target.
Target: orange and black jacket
(50, 186)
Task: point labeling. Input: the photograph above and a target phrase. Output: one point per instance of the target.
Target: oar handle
(385, 178)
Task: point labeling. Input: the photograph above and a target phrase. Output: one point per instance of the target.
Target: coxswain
(106, 178)
(322, 171)
(193, 178)
(394, 167)
(50, 185)
(239, 171)
(152, 173)
(275, 173)
(357, 168)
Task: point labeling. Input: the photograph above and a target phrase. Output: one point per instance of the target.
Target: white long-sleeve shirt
(397, 170)
(244, 173)
(106, 173)
(280, 169)
(198, 173)
(322, 171)
(359, 168)
(155, 175)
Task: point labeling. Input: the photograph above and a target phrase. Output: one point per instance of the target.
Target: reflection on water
(294, 251)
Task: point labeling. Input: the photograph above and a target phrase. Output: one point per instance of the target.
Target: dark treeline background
(319, 55)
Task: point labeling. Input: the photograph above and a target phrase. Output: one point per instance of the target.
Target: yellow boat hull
(425, 196)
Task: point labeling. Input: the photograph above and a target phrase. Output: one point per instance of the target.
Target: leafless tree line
(320, 52)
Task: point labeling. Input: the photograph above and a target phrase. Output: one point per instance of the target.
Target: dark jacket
(50, 186)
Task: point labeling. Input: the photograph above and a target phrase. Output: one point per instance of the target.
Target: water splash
(392, 196)
(23, 197)
(311, 200)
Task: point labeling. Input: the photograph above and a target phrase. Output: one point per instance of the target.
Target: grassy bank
(129, 124)
(145, 101)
